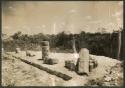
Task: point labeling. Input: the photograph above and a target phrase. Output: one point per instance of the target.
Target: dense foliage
(98, 44)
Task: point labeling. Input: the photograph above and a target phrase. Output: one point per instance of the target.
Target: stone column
(45, 50)
(70, 64)
(83, 62)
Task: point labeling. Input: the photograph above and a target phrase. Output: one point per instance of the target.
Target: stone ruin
(18, 50)
(92, 63)
(84, 65)
(70, 64)
(83, 62)
(51, 61)
(45, 54)
(45, 50)
(29, 54)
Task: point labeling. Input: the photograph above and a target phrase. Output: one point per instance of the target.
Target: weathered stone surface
(45, 43)
(48, 70)
(45, 50)
(17, 50)
(70, 64)
(91, 66)
(29, 54)
(83, 62)
(93, 62)
(51, 61)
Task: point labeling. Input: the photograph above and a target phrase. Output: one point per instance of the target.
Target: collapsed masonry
(84, 65)
(18, 50)
(48, 70)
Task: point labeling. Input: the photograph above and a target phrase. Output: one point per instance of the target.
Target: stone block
(45, 43)
(17, 50)
(51, 61)
(70, 64)
(83, 61)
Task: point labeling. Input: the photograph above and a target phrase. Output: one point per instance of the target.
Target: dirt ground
(17, 73)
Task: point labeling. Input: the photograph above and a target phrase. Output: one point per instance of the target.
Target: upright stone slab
(83, 62)
(18, 50)
(45, 50)
(2, 50)
(91, 66)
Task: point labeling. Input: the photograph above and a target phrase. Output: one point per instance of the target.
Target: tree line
(105, 44)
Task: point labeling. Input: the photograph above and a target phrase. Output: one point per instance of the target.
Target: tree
(17, 35)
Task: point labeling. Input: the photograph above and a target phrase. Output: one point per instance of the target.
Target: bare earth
(17, 73)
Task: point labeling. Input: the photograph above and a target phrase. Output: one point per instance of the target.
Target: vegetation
(98, 44)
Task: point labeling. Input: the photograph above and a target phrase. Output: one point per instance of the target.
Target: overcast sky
(32, 17)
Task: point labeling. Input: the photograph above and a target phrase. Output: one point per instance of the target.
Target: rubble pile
(113, 77)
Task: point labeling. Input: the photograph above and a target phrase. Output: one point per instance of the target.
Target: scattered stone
(93, 61)
(53, 72)
(18, 50)
(91, 66)
(70, 64)
(51, 61)
(29, 54)
(107, 79)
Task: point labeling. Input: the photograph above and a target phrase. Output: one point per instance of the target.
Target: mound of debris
(114, 77)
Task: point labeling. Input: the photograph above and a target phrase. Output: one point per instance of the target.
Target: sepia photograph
(62, 43)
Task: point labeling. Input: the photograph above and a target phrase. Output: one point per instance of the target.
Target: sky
(52, 17)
